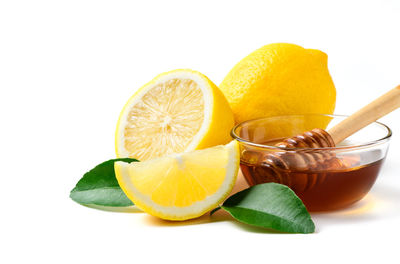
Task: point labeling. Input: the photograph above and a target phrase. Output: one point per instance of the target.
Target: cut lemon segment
(177, 111)
(181, 186)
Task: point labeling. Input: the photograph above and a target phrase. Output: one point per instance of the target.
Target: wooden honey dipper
(277, 162)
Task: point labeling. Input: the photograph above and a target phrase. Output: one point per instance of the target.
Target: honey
(339, 184)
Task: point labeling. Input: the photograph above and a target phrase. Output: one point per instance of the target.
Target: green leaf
(270, 205)
(99, 186)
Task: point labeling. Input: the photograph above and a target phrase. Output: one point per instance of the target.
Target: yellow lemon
(177, 111)
(181, 186)
(280, 79)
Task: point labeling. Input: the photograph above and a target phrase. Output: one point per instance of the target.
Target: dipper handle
(366, 115)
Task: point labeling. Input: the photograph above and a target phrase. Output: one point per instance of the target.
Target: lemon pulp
(175, 117)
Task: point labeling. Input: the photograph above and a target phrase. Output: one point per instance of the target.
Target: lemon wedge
(181, 186)
(177, 111)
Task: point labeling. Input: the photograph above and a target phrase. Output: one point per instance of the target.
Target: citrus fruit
(177, 111)
(181, 186)
(280, 79)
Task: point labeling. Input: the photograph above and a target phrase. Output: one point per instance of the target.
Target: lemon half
(177, 111)
(181, 186)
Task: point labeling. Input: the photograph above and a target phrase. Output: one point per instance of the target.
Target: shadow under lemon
(125, 209)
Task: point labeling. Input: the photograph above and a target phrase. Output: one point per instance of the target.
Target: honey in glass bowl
(345, 176)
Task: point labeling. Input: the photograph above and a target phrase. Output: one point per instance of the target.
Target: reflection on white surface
(383, 202)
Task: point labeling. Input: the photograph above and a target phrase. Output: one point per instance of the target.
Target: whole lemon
(280, 79)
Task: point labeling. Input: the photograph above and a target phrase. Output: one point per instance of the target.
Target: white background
(68, 67)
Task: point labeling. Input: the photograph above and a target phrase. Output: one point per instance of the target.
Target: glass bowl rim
(348, 147)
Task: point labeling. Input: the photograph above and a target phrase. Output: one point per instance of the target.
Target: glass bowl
(343, 175)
